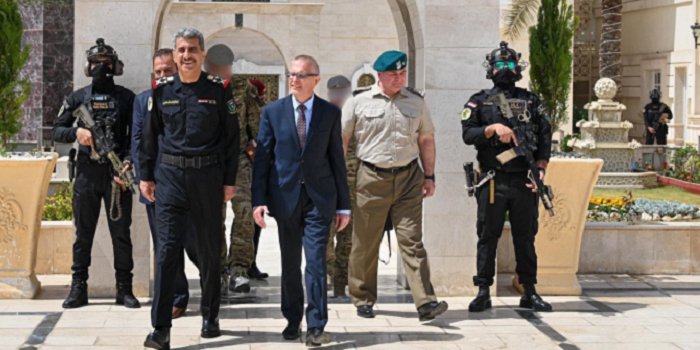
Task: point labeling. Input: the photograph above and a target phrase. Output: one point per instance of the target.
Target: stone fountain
(604, 135)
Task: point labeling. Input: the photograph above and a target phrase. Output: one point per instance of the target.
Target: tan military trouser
(400, 195)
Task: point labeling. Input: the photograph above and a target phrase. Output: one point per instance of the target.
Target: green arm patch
(466, 113)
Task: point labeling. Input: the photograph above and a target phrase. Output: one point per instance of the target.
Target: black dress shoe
(78, 295)
(535, 302)
(158, 339)
(317, 337)
(430, 310)
(365, 311)
(210, 329)
(125, 296)
(255, 273)
(291, 332)
(482, 300)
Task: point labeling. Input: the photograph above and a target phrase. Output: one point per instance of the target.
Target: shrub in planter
(13, 89)
(685, 165)
(59, 206)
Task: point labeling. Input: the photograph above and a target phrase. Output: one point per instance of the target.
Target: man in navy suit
(163, 66)
(299, 178)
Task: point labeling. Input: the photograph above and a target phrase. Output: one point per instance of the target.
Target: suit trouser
(93, 185)
(510, 195)
(401, 196)
(308, 228)
(184, 195)
(182, 292)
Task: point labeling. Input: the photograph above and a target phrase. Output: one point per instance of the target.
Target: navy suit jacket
(282, 164)
(139, 116)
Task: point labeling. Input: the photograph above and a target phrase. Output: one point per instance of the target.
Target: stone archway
(256, 55)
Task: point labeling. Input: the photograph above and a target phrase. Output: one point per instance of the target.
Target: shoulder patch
(63, 107)
(163, 81)
(361, 90)
(231, 106)
(466, 113)
(414, 91)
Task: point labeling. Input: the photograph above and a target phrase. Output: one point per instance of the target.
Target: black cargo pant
(660, 135)
(92, 187)
(184, 195)
(510, 195)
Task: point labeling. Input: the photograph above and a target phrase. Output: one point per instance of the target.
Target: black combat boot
(482, 300)
(158, 339)
(78, 295)
(532, 300)
(125, 296)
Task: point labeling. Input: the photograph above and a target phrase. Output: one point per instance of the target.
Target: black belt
(390, 170)
(196, 162)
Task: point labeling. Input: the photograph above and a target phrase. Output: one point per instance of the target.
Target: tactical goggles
(503, 64)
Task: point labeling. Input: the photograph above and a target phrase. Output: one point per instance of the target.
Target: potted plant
(55, 249)
(24, 178)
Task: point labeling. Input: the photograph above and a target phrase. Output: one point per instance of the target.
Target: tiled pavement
(615, 312)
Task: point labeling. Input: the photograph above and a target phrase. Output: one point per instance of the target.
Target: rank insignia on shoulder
(414, 91)
(466, 113)
(472, 104)
(215, 79)
(231, 106)
(360, 90)
(162, 81)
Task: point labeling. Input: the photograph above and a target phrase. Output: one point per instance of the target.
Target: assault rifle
(103, 147)
(523, 148)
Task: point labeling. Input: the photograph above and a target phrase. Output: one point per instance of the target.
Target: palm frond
(518, 17)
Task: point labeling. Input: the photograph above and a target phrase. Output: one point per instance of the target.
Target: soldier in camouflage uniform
(338, 251)
(237, 259)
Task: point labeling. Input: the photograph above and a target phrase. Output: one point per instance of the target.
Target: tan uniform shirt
(386, 129)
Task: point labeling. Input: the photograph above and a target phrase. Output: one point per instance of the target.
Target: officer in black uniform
(656, 117)
(485, 125)
(96, 180)
(195, 117)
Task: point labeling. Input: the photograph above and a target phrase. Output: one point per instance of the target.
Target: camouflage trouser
(240, 255)
(338, 250)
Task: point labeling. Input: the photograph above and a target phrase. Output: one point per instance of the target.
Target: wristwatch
(430, 177)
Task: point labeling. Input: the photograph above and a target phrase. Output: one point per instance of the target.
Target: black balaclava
(102, 79)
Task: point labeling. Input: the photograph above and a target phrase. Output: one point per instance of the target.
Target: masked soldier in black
(656, 117)
(96, 181)
(506, 187)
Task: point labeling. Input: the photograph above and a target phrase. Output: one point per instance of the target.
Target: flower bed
(628, 209)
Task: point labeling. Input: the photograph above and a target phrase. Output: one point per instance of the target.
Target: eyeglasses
(300, 76)
(502, 64)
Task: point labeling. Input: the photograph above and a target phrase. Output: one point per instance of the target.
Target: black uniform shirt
(481, 111)
(64, 131)
(652, 112)
(193, 119)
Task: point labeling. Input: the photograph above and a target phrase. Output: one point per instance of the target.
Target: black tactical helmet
(100, 49)
(655, 94)
(504, 54)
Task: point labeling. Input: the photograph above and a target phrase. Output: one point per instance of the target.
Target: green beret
(220, 55)
(338, 82)
(390, 60)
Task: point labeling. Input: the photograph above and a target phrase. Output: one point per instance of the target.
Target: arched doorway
(256, 57)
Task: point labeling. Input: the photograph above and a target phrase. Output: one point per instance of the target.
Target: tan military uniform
(389, 182)
(241, 251)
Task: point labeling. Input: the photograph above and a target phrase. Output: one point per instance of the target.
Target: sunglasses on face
(502, 65)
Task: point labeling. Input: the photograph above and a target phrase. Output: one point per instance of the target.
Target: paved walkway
(615, 312)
